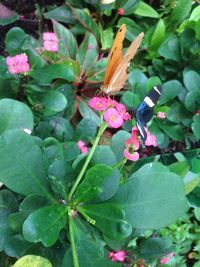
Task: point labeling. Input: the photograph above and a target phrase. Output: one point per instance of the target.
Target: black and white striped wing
(144, 112)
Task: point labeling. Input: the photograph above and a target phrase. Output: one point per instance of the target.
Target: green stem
(100, 132)
(71, 235)
(121, 164)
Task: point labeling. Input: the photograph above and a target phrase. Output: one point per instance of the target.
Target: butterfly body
(144, 112)
(116, 71)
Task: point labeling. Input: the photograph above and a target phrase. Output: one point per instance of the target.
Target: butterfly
(144, 111)
(116, 71)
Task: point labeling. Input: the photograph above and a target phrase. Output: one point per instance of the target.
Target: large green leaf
(89, 248)
(67, 42)
(180, 12)
(15, 114)
(155, 247)
(33, 261)
(45, 224)
(22, 165)
(85, 130)
(66, 71)
(146, 10)
(191, 80)
(170, 48)
(104, 155)
(61, 13)
(14, 40)
(152, 197)
(87, 53)
(101, 182)
(171, 89)
(7, 16)
(82, 16)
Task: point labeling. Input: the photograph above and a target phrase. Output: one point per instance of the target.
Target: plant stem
(120, 164)
(71, 235)
(102, 128)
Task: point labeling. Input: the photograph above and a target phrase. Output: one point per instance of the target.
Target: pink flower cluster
(167, 258)
(161, 115)
(119, 255)
(133, 144)
(114, 113)
(18, 63)
(81, 145)
(50, 41)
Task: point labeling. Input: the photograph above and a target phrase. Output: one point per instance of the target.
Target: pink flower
(50, 46)
(119, 255)
(161, 115)
(50, 36)
(113, 118)
(98, 103)
(81, 145)
(132, 144)
(198, 112)
(166, 259)
(18, 63)
(151, 139)
(122, 111)
(89, 46)
(121, 11)
(50, 41)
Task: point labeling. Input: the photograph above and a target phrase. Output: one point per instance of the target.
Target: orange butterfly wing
(120, 75)
(115, 55)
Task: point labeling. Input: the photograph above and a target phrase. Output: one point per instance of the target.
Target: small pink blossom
(198, 112)
(161, 115)
(50, 36)
(121, 11)
(122, 111)
(98, 103)
(166, 259)
(151, 139)
(18, 64)
(81, 145)
(50, 41)
(119, 255)
(132, 144)
(113, 118)
(89, 46)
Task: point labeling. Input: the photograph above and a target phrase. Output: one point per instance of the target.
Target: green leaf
(180, 12)
(171, 89)
(24, 160)
(152, 197)
(104, 155)
(7, 16)
(46, 74)
(11, 85)
(86, 21)
(133, 29)
(15, 221)
(45, 224)
(118, 143)
(196, 165)
(155, 247)
(88, 246)
(87, 53)
(14, 40)
(195, 15)
(67, 42)
(71, 151)
(96, 72)
(15, 114)
(109, 219)
(191, 181)
(106, 38)
(146, 10)
(85, 130)
(158, 35)
(196, 126)
(100, 182)
(170, 48)
(61, 13)
(138, 80)
(32, 203)
(179, 114)
(191, 80)
(174, 131)
(181, 168)
(33, 261)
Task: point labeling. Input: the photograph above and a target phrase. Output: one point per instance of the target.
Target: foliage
(60, 207)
